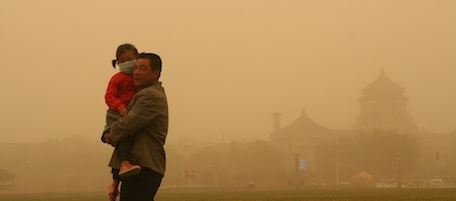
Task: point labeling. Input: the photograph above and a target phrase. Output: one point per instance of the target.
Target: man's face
(143, 74)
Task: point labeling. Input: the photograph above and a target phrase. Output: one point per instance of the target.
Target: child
(121, 90)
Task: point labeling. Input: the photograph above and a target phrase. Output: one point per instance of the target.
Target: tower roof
(303, 126)
(383, 84)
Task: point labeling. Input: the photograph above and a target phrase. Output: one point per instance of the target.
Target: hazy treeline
(69, 164)
(77, 164)
(74, 164)
(232, 164)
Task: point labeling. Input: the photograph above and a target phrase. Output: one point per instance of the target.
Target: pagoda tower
(383, 106)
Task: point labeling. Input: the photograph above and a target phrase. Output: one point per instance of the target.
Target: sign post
(189, 175)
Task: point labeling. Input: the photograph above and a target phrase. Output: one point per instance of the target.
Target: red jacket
(121, 90)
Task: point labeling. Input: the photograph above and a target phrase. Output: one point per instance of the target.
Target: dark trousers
(140, 187)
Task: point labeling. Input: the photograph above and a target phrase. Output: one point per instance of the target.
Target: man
(146, 124)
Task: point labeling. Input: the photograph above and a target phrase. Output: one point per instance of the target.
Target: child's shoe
(127, 169)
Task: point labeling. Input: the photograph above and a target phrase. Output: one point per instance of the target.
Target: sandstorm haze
(228, 65)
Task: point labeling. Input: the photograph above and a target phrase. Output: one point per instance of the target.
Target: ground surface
(348, 194)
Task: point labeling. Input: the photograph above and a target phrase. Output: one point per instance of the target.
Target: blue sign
(303, 164)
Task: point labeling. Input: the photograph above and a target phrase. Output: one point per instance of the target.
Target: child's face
(126, 56)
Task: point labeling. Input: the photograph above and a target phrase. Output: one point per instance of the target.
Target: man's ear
(156, 73)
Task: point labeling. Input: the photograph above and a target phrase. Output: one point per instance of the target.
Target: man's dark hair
(155, 61)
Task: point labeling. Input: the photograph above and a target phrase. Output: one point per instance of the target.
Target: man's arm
(146, 108)
(105, 134)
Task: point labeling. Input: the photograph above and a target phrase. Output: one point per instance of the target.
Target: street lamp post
(398, 167)
(297, 169)
(214, 175)
(337, 166)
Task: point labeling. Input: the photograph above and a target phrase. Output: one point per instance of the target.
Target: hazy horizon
(227, 65)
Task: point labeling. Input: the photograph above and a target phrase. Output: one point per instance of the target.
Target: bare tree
(6, 179)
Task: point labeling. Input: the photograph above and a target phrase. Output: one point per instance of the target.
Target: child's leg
(111, 117)
(126, 168)
(123, 150)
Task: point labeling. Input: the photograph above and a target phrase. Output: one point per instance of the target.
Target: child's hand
(123, 112)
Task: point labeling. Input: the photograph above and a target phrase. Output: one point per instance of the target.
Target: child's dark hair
(121, 49)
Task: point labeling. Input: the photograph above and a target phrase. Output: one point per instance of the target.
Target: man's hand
(113, 191)
(107, 138)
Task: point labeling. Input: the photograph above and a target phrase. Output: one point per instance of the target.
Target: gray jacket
(147, 123)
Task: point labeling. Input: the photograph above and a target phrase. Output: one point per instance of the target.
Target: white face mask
(127, 67)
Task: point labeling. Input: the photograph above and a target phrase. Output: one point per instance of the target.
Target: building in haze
(383, 107)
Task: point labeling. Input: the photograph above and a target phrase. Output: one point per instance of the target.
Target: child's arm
(123, 112)
(112, 95)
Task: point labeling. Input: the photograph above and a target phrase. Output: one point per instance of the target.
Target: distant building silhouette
(303, 135)
(383, 106)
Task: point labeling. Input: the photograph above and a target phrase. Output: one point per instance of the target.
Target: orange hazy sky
(228, 64)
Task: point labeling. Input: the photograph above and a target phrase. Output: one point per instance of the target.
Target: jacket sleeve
(144, 110)
(112, 95)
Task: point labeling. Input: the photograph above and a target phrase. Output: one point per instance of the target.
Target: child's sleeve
(112, 95)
